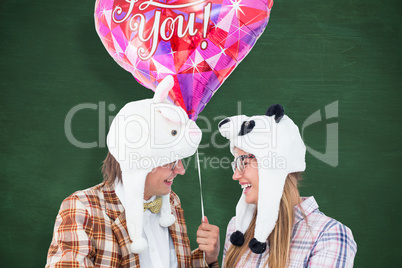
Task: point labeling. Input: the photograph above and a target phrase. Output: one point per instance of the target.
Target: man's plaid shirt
(91, 231)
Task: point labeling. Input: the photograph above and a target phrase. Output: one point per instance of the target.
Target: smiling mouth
(169, 181)
(246, 187)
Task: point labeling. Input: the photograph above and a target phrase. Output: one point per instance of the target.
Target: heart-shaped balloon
(198, 42)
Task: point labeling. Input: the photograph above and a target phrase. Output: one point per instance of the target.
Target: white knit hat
(146, 134)
(276, 143)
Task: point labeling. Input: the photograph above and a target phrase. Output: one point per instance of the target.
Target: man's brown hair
(111, 169)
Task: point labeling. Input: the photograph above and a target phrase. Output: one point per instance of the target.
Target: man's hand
(208, 240)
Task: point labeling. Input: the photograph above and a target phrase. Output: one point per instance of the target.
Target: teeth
(169, 180)
(246, 185)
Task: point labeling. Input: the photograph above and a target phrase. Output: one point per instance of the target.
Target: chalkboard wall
(335, 63)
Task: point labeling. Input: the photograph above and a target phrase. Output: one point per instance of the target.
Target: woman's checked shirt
(325, 242)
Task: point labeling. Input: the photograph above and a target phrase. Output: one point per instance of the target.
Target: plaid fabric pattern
(91, 231)
(318, 242)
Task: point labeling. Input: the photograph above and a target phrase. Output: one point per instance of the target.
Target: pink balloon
(198, 42)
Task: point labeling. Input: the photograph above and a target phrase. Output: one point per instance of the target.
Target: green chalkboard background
(345, 54)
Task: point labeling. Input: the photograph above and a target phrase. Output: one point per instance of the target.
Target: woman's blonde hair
(280, 238)
(111, 169)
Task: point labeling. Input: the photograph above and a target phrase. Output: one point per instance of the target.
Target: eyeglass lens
(239, 163)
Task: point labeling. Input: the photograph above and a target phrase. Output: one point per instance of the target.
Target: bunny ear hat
(146, 134)
(276, 143)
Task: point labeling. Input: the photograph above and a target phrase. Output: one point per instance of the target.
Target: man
(133, 219)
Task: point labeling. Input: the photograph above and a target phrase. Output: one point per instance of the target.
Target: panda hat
(146, 134)
(276, 143)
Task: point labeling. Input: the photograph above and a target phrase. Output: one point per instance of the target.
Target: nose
(236, 175)
(179, 168)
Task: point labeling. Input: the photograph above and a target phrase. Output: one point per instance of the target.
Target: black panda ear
(224, 121)
(276, 110)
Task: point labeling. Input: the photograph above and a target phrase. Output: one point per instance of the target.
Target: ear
(276, 110)
(162, 90)
(172, 113)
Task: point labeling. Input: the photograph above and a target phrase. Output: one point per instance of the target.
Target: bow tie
(154, 206)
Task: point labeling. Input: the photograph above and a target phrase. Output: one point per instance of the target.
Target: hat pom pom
(139, 245)
(237, 238)
(257, 247)
(166, 220)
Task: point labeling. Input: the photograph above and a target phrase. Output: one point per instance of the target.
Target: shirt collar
(306, 207)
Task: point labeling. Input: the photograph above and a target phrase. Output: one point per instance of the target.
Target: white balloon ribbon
(202, 201)
(199, 178)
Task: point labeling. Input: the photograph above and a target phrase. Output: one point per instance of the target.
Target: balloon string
(199, 178)
(202, 201)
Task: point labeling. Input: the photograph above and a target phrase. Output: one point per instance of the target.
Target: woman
(274, 226)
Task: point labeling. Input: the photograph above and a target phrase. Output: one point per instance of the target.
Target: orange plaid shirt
(91, 231)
